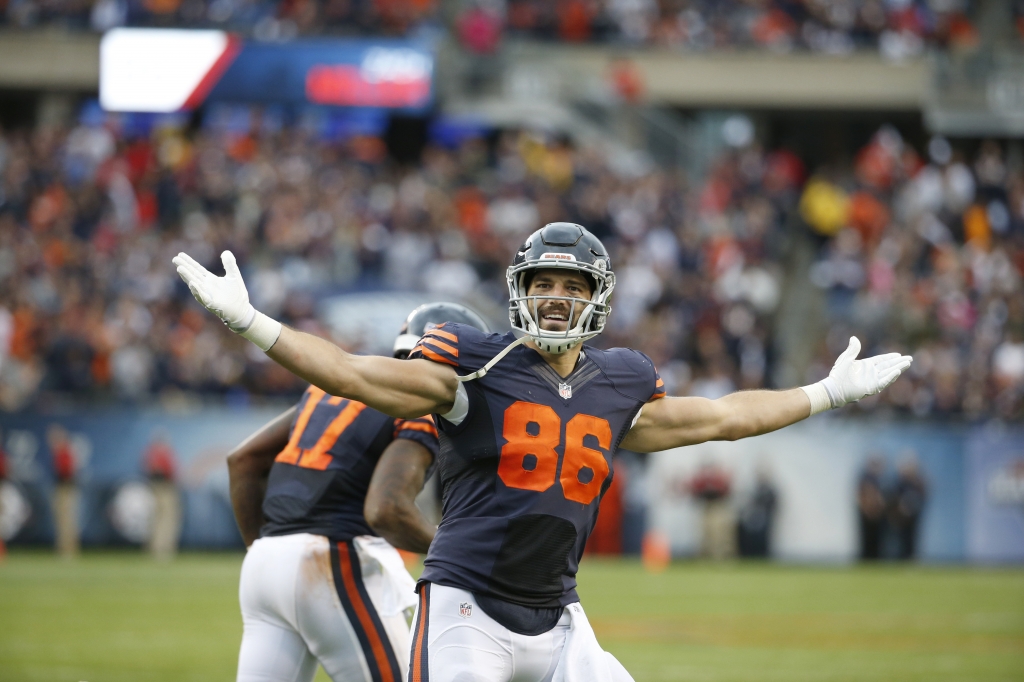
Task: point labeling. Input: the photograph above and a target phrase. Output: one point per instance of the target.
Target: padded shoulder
(632, 372)
(461, 346)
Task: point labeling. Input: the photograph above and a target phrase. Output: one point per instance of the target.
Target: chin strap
(493, 361)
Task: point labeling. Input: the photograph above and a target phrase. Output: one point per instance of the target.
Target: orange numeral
(581, 462)
(529, 460)
(317, 456)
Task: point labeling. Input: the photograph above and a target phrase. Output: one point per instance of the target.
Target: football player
(529, 428)
(311, 492)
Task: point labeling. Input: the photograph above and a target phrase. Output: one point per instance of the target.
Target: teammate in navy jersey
(529, 428)
(316, 485)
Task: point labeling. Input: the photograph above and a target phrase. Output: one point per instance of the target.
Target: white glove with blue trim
(852, 379)
(227, 298)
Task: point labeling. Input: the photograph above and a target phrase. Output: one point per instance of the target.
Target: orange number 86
(529, 460)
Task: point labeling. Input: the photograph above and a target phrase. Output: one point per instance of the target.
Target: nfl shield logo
(465, 609)
(565, 390)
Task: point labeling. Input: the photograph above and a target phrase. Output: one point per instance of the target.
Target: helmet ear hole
(526, 280)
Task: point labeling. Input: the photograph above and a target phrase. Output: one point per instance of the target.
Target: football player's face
(553, 315)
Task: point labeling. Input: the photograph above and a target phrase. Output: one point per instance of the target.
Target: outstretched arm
(400, 388)
(390, 506)
(675, 422)
(248, 468)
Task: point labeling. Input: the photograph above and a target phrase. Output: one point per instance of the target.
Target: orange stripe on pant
(418, 671)
(377, 646)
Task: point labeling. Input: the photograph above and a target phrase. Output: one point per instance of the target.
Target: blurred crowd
(917, 251)
(262, 19)
(924, 253)
(897, 28)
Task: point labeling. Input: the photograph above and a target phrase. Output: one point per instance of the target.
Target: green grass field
(121, 617)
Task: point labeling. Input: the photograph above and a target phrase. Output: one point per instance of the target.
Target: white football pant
(306, 600)
(458, 642)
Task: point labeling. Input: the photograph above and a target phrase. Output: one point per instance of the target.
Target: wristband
(835, 396)
(818, 395)
(261, 330)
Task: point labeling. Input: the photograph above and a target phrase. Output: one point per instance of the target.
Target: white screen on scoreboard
(155, 70)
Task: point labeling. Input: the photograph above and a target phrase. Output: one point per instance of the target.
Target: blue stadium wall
(110, 445)
(975, 477)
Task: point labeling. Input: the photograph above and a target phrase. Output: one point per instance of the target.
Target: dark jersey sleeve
(634, 374)
(459, 345)
(420, 430)
(659, 385)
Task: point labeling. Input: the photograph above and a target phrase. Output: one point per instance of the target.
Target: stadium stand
(897, 29)
(916, 250)
(263, 19)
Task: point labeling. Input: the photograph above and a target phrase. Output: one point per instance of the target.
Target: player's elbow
(244, 463)
(383, 515)
(739, 426)
(727, 424)
(237, 463)
(732, 434)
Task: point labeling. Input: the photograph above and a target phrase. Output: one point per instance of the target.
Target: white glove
(852, 379)
(227, 298)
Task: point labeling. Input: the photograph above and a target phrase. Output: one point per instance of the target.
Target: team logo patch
(565, 390)
(465, 609)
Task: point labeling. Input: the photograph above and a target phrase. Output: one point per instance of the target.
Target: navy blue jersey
(523, 475)
(318, 482)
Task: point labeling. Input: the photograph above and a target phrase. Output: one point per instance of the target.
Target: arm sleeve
(633, 374)
(659, 385)
(420, 430)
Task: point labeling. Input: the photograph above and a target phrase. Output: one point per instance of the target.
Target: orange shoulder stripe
(436, 331)
(441, 345)
(437, 358)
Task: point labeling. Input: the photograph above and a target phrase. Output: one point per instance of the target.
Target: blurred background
(771, 177)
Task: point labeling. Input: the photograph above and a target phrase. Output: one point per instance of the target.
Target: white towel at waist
(583, 659)
(399, 590)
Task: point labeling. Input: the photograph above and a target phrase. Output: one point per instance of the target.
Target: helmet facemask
(524, 310)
